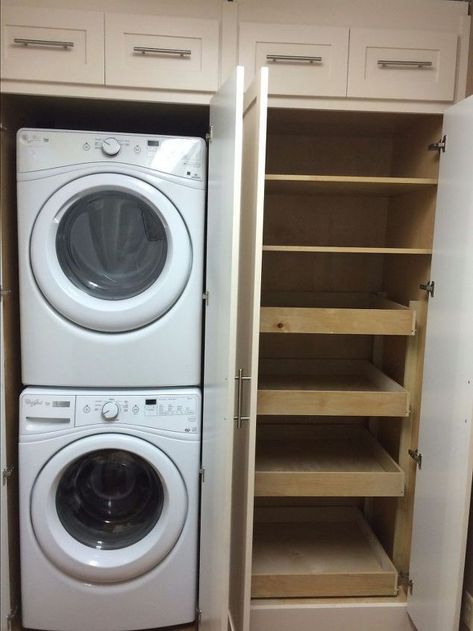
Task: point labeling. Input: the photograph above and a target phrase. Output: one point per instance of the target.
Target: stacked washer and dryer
(111, 253)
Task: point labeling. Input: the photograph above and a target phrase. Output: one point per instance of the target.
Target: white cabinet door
(56, 45)
(398, 64)
(304, 60)
(251, 243)
(223, 226)
(167, 53)
(443, 483)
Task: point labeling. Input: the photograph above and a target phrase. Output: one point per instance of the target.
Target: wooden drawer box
(303, 60)
(161, 52)
(52, 45)
(392, 64)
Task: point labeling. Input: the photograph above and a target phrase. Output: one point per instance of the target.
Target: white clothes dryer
(109, 486)
(111, 253)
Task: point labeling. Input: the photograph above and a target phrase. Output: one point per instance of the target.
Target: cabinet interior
(59, 113)
(347, 239)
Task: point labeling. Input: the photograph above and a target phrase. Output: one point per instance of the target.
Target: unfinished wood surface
(332, 553)
(377, 316)
(332, 387)
(410, 220)
(288, 183)
(344, 250)
(324, 461)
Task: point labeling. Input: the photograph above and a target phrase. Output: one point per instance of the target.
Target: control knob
(110, 146)
(110, 410)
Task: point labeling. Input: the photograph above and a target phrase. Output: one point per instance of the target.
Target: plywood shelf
(341, 461)
(344, 249)
(373, 315)
(338, 184)
(329, 388)
(318, 553)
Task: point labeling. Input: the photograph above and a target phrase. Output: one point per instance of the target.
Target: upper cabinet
(303, 60)
(395, 64)
(168, 53)
(52, 45)
(324, 54)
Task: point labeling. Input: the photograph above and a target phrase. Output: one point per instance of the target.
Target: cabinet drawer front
(303, 61)
(157, 52)
(52, 45)
(418, 65)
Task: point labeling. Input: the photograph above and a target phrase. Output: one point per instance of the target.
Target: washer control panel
(169, 410)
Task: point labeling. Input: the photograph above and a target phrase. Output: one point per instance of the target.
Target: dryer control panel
(169, 410)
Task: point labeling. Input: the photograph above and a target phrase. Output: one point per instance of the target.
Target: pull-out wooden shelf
(367, 314)
(318, 553)
(340, 184)
(339, 461)
(329, 388)
(329, 249)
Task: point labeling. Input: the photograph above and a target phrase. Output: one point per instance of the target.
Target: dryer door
(108, 508)
(110, 252)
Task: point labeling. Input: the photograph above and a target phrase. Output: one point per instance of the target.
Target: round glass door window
(109, 499)
(110, 252)
(111, 245)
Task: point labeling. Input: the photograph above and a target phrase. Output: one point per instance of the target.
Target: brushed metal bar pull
(307, 58)
(240, 378)
(389, 63)
(180, 52)
(43, 42)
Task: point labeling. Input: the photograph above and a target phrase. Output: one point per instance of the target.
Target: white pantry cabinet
(335, 243)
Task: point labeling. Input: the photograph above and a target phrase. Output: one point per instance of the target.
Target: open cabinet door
(223, 227)
(251, 243)
(443, 483)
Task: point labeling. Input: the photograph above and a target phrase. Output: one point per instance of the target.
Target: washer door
(110, 252)
(108, 508)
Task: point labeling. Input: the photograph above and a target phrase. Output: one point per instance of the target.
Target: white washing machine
(111, 253)
(109, 485)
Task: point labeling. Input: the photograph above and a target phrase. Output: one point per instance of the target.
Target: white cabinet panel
(169, 53)
(303, 60)
(394, 64)
(223, 231)
(52, 45)
(443, 483)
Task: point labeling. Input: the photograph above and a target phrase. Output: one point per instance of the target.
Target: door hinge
(429, 287)
(202, 475)
(439, 146)
(416, 456)
(12, 614)
(7, 472)
(198, 616)
(404, 579)
(209, 136)
(205, 298)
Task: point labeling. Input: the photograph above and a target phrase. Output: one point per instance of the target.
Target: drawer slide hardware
(240, 378)
(405, 580)
(7, 473)
(439, 146)
(303, 58)
(21, 41)
(416, 456)
(398, 63)
(429, 287)
(180, 52)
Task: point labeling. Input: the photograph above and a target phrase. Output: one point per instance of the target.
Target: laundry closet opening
(68, 114)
